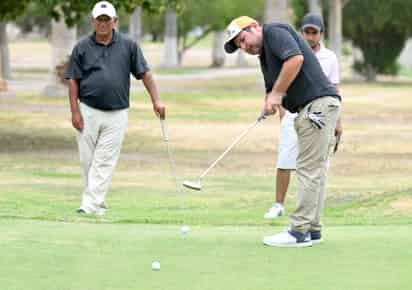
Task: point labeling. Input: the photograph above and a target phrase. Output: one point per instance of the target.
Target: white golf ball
(155, 266)
(184, 229)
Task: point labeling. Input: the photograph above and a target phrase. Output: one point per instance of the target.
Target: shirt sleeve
(334, 72)
(282, 43)
(138, 63)
(74, 70)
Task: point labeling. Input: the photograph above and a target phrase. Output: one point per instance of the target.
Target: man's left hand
(160, 110)
(273, 102)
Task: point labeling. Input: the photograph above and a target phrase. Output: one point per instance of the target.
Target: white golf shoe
(288, 238)
(275, 211)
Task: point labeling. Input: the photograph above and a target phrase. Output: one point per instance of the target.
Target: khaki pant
(314, 146)
(99, 148)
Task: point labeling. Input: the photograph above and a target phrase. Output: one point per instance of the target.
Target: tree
(300, 8)
(212, 16)
(9, 10)
(34, 17)
(315, 6)
(171, 56)
(374, 28)
(66, 14)
(335, 27)
(135, 24)
(276, 10)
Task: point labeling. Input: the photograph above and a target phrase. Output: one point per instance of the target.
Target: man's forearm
(288, 73)
(74, 96)
(150, 86)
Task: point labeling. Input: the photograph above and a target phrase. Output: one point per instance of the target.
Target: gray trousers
(314, 147)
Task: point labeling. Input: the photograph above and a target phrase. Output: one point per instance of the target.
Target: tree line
(380, 28)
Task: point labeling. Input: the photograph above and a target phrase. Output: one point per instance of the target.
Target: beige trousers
(314, 146)
(99, 148)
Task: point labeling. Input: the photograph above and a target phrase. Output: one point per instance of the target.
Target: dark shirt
(103, 71)
(280, 42)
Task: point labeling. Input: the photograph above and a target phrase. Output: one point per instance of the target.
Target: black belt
(301, 107)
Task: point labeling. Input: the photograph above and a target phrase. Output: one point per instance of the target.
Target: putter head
(192, 185)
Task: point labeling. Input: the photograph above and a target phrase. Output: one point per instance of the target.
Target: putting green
(39, 255)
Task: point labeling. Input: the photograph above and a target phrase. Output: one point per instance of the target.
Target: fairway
(50, 255)
(46, 245)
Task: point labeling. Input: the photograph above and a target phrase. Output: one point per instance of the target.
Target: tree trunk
(315, 6)
(335, 27)
(62, 41)
(276, 10)
(135, 24)
(218, 53)
(171, 59)
(370, 73)
(5, 72)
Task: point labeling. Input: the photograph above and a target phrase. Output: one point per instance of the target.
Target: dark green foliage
(380, 29)
(300, 8)
(33, 17)
(10, 9)
(75, 10)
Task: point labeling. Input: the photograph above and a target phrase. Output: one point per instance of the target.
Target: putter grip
(164, 130)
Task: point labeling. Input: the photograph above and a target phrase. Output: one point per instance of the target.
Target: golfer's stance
(99, 83)
(311, 30)
(294, 79)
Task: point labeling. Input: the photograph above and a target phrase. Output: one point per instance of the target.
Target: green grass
(67, 256)
(406, 73)
(367, 217)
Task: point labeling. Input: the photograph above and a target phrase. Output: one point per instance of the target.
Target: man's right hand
(77, 121)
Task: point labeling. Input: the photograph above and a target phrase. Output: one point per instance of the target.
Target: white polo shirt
(329, 63)
(288, 140)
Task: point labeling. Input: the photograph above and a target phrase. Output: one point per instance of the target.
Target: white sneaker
(288, 238)
(275, 211)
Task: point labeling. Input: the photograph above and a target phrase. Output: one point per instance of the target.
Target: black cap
(312, 20)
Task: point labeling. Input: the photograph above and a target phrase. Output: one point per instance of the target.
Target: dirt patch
(403, 205)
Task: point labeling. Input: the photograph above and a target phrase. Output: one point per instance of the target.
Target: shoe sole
(297, 245)
(272, 217)
(319, 241)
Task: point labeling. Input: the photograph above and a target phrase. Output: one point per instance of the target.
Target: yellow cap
(234, 28)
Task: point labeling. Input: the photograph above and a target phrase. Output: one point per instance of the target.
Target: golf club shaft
(261, 117)
(171, 160)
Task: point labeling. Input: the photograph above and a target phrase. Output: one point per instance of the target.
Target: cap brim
(100, 14)
(311, 26)
(230, 46)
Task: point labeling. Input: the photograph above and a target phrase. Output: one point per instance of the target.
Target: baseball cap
(103, 8)
(312, 20)
(233, 29)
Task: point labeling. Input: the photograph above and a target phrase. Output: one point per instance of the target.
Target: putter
(169, 151)
(198, 185)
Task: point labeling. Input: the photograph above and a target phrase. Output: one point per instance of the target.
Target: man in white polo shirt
(311, 29)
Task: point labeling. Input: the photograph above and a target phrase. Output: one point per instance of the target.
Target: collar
(322, 49)
(115, 37)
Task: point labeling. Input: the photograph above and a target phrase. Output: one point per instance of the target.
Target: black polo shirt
(280, 42)
(103, 71)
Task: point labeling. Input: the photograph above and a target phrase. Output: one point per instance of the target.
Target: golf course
(45, 244)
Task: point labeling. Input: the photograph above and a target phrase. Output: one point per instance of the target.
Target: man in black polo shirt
(99, 83)
(294, 79)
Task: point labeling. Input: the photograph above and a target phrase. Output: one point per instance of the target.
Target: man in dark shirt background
(294, 79)
(99, 83)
